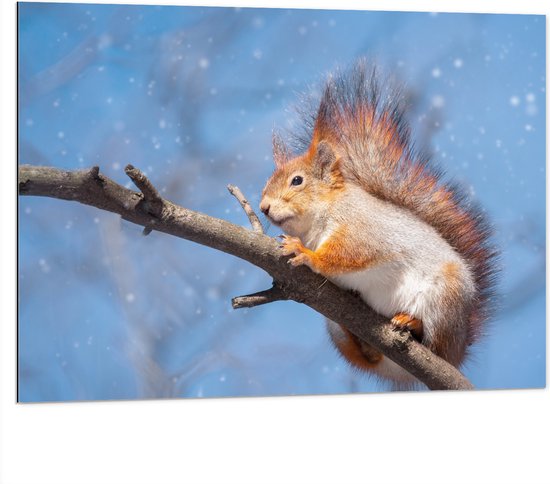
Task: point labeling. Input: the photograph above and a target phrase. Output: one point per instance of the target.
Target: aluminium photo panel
(191, 96)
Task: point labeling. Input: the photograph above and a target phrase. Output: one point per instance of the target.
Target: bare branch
(273, 294)
(150, 194)
(254, 220)
(300, 284)
(94, 172)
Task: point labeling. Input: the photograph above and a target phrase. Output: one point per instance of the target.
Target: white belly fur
(390, 289)
(393, 288)
(413, 282)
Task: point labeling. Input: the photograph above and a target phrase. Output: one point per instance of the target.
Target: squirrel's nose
(264, 207)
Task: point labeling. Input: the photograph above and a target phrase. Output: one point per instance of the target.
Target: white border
(498, 437)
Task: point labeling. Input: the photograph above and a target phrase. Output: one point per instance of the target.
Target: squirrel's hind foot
(406, 321)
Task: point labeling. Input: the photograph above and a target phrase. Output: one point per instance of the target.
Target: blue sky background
(190, 96)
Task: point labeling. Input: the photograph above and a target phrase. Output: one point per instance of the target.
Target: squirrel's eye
(297, 180)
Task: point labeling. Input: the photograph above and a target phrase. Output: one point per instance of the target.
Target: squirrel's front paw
(293, 245)
(300, 260)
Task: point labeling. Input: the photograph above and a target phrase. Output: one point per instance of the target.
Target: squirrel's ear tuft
(281, 153)
(325, 154)
(324, 159)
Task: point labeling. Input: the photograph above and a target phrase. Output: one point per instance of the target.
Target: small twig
(254, 220)
(152, 200)
(93, 172)
(150, 194)
(143, 183)
(257, 299)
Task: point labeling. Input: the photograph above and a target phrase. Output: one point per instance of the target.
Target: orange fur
(406, 321)
(358, 353)
(335, 256)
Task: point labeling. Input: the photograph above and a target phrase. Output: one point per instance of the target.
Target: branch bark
(252, 217)
(299, 284)
(272, 294)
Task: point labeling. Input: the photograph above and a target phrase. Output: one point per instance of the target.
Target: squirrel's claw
(299, 260)
(294, 246)
(291, 245)
(405, 321)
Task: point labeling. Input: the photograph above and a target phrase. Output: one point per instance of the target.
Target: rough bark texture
(299, 284)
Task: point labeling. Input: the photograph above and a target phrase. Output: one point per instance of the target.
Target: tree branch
(299, 284)
(152, 201)
(275, 293)
(149, 192)
(252, 217)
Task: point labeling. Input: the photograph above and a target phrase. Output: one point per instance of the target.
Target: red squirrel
(360, 206)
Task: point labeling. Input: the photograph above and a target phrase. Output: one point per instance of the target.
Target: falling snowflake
(514, 101)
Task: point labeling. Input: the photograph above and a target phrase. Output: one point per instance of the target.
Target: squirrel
(363, 208)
